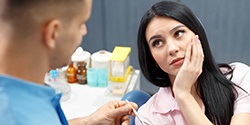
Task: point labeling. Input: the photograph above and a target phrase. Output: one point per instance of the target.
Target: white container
(101, 59)
(81, 55)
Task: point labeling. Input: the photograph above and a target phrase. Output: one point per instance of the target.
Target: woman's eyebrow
(176, 28)
(153, 37)
(171, 31)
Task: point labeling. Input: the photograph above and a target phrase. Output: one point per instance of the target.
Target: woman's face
(168, 40)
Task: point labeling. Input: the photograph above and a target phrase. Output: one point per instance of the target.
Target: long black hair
(216, 91)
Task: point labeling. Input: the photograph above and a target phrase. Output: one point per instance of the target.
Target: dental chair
(139, 97)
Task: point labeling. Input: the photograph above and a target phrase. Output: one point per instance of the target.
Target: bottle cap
(101, 59)
(53, 74)
(80, 55)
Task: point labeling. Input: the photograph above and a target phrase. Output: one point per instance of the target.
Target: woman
(174, 54)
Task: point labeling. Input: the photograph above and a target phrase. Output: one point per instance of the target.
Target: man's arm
(114, 112)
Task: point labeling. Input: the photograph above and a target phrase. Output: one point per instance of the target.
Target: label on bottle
(81, 79)
(70, 74)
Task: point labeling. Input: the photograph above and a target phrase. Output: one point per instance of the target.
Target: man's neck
(25, 65)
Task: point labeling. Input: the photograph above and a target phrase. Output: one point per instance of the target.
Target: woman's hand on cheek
(191, 68)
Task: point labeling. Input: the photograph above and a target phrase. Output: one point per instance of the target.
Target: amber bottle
(81, 73)
(71, 73)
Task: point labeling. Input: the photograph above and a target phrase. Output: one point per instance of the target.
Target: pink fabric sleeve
(241, 77)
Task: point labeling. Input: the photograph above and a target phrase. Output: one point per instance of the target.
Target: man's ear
(51, 32)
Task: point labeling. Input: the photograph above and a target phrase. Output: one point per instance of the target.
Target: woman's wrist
(180, 94)
(180, 91)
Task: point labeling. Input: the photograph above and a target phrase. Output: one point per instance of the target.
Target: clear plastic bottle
(81, 73)
(59, 85)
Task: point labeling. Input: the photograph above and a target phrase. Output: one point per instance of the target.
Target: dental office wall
(115, 22)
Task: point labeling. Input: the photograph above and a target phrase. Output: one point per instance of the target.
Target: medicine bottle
(71, 73)
(80, 55)
(81, 72)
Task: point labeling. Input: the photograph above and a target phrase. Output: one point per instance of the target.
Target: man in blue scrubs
(35, 36)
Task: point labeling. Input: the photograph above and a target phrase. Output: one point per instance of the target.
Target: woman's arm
(191, 109)
(240, 119)
(184, 82)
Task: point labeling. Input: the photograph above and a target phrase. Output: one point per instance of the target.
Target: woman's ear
(50, 33)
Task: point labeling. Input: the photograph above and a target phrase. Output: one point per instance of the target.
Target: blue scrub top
(26, 103)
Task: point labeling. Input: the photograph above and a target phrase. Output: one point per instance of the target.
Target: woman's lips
(177, 62)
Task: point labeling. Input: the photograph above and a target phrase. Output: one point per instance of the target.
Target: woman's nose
(172, 47)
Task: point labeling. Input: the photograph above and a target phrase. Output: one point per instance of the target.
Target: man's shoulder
(26, 104)
(5, 108)
(13, 88)
(10, 82)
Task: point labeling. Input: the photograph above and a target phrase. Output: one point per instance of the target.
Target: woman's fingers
(197, 56)
(192, 66)
(189, 52)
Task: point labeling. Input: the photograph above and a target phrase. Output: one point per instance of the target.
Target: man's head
(54, 27)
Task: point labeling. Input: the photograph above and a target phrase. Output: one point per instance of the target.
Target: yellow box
(120, 64)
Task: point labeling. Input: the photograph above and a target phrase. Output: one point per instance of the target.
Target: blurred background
(115, 22)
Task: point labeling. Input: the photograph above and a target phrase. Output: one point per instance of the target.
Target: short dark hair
(27, 13)
(213, 87)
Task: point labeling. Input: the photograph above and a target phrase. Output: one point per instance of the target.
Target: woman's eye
(179, 33)
(156, 43)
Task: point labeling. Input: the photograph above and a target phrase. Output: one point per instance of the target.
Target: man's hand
(112, 113)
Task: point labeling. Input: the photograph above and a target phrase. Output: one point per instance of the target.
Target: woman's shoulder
(241, 72)
(241, 77)
(159, 101)
(239, 66)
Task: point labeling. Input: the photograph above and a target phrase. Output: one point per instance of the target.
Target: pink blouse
(162, 108)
